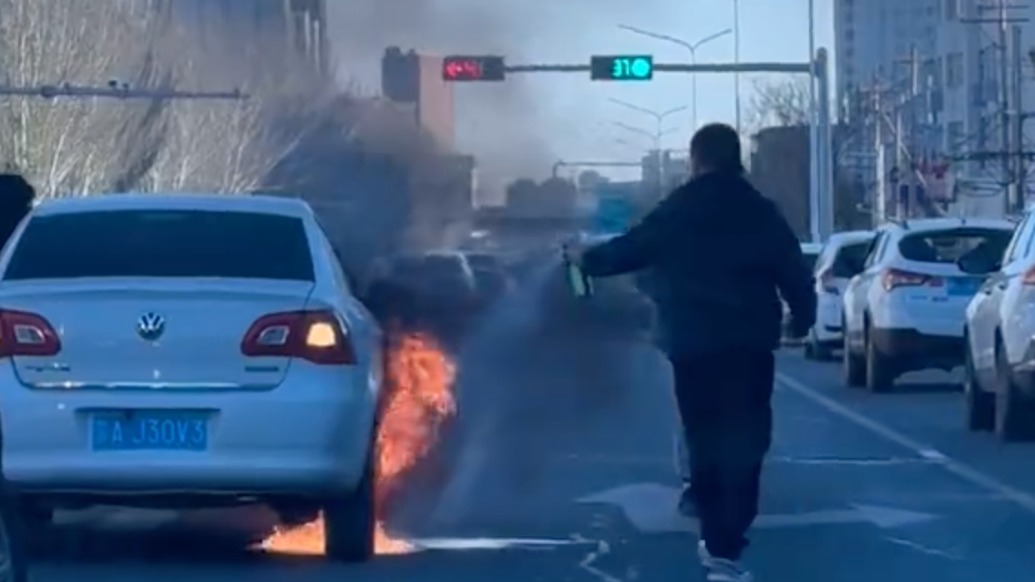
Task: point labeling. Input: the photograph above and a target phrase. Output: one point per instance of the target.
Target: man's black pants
(725, 399)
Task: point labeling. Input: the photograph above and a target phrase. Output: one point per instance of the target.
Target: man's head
(715, 148)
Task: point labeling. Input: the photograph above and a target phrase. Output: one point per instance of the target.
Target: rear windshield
(162, 243)
(947, 246)
(853, 254)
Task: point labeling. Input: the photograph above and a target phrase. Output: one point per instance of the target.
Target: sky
(520, 127)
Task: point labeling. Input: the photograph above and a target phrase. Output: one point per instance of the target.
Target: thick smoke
(500, 123)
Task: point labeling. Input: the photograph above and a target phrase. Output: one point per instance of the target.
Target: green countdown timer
(622, 68)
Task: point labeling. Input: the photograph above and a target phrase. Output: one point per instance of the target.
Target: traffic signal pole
(117, 92)
(821, 184)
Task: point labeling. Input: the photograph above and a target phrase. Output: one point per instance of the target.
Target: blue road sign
(613, 214)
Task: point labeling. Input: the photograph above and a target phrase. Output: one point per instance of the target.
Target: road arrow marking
(652, 508)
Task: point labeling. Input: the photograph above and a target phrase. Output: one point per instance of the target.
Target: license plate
(963, 287)
(149, 430)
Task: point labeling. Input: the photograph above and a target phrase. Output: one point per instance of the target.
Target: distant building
(780, 168)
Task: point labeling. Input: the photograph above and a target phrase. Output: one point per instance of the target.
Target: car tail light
(316, 336)
(27, 334)
(1028, 278)
(828, 283)
(894, 278)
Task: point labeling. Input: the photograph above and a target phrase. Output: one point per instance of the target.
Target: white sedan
(192, 350)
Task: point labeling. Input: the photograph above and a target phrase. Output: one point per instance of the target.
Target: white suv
(836, 265)
(905, 309)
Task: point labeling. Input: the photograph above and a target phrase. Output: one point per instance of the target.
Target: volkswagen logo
(150, 326)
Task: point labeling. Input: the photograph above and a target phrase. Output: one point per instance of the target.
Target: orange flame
(418, 401)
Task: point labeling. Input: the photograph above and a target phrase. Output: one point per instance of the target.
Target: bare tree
(780, 103)
(70, 146)
(232, 146)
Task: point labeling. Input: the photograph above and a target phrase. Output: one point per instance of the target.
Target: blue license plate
(963, 287)
(149, 430)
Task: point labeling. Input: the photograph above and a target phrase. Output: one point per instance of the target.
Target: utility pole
(1018, 115)
(880, 196)
(907, 152)
(1013, 199)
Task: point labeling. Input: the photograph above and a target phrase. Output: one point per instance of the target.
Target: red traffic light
(479, 68)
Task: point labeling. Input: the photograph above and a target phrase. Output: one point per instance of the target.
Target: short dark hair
(717, 146)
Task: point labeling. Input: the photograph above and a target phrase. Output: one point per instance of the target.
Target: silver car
(191, 350)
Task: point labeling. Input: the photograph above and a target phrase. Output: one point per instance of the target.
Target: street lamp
(654, 136)
(659, 116)
(691, 47)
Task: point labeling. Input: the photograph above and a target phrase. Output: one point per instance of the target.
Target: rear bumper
(910, 345)
(309, 436)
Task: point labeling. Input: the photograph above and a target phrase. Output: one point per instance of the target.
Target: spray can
(581, 286)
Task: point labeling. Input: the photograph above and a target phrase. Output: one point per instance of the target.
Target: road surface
(568, 476)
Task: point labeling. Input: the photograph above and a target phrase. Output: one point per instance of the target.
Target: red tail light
(1029, 277)
(316, 336)
(826, 280)
(895, 278)
(26, 334)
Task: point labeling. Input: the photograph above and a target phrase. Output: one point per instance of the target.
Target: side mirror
(977, 262)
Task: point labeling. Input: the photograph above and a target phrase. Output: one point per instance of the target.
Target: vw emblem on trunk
(150, 326)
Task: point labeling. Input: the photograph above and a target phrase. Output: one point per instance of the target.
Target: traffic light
(622, 68)
(473, 68)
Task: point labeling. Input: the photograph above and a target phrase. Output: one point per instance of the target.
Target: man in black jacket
(722, 255)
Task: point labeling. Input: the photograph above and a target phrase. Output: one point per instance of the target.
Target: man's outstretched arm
(639, 248)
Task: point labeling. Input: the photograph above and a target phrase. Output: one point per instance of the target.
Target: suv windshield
(947, 246)
(162, 243)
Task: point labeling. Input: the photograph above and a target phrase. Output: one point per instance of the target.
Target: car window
(490, 281)
(1027, 239)
(854, 253)
(947, 246)
(162, 243)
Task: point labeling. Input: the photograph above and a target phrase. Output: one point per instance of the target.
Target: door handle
(1001, 285)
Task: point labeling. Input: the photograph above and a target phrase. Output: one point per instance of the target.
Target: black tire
(880, 375)
(980, 404)
(349, 521)
(14, 555)
(852, 365)
(1014, 414)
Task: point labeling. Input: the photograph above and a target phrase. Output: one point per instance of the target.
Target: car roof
(211, 202)
(848, 237)
(929, 224)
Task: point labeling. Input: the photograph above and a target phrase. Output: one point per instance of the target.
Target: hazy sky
(523, 125)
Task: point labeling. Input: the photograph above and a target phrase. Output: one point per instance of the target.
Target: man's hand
(573, 251)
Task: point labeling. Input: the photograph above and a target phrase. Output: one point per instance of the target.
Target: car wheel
(1014, 414)
(852, 364)
(880, 376)
(349, 521)
(980, 404)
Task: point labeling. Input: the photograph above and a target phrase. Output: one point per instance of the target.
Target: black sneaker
(687, 502)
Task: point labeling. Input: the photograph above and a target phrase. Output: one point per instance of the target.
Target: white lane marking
(494, 543)
(651, 508)
(588, 562)
(961, 470)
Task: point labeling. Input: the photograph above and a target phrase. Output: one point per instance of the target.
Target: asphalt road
(566, 474)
